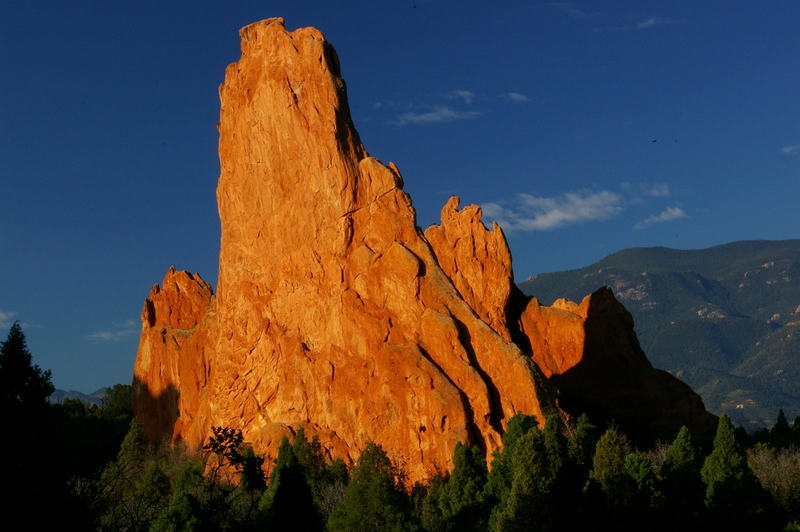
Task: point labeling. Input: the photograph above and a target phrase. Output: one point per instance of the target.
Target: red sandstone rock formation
(334, 311)
(591, 354)
(173, 364)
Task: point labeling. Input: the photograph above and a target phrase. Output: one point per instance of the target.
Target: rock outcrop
(174, 360)
(590, 352)
(334, 311)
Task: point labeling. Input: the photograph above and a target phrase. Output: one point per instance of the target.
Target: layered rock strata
(335, 312)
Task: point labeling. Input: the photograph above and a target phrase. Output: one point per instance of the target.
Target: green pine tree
(723, 470)
(556, 445)
(734, 497)
(24, 387)
(288, 502)
(684, 491)
(642, 497)
(781, 433)
(500, 478)
(608, 465)
(530, 501)
(459, 497)
(28, 444)
(582, 445)
(375, 499)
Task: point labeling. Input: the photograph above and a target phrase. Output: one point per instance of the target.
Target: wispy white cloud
(655, 21)
(658, 190)
(667, 215)
(6, 319)
(650, 22)
(467, 96)
(639, 192)
(436, 115)
(571, 10)
(115, 333)
(516, 97)
(790, 149)
(531, 213)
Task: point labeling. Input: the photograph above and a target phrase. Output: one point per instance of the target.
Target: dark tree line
(49, 450)
(93, 470)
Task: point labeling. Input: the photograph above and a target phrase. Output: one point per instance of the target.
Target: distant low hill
(725, 320)
(94, 398)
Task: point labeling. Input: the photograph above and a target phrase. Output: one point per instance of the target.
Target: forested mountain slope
(726, 319)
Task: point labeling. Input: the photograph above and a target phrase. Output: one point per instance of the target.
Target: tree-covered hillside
(726, 319)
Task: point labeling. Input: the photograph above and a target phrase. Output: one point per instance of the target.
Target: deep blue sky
(585, 127)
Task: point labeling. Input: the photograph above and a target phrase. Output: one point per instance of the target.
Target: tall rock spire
(334, 311)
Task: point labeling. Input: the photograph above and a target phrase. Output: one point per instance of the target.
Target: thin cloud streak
(437, 115)
(571, 11)
(655, 21)
(467, 96)
(790, 149)
(646, 24)
(117, 332)
(667, 215)
(516, 97)
(531, 213)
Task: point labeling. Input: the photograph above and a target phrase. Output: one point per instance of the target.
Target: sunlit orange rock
(334, 311)
(173, 363)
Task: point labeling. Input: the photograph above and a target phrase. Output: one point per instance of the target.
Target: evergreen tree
(117, 403)
(605, 492)
(461, 494)
(431, 511)
(555, 444)
(574, 512)
(642, 498)
(133, 490)
(375, 499)
(500, 478)
(781, 433)
(530, 502)
(29, 444)
(288, 502)
(185, 511)
(582, 445)
(734, 497)
(724, 469)
(309, 455)
(608, 465)
(682, 456)
(683, 489)
(455, 502)
(24, 387)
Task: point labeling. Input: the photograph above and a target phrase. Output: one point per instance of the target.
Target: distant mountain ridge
(725, 319)
(94, 398)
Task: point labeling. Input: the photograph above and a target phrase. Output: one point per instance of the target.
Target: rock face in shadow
(334, 311)
(590, 352)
